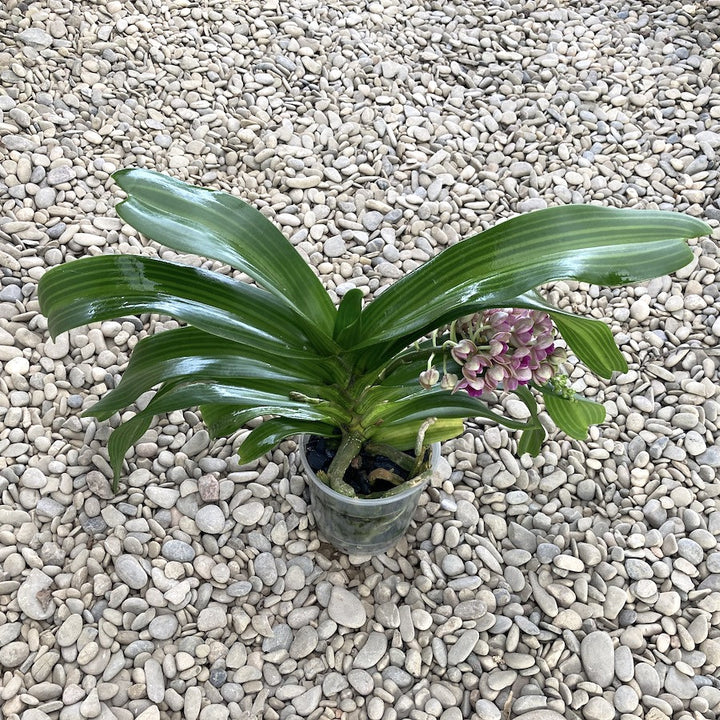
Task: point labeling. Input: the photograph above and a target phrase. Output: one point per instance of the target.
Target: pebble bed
(584, 583)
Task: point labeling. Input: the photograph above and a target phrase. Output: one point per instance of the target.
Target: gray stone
(647, 678)
(307, 703)
(69, 631)
(680, 685)
(212, 617)
(304, 642)
(210, 519)
(624, 663)
(162, 497)
(154, 680)
(34, 597)
(265, 568)
(60, 175)
(361, 681)
(249, 514)
(130, 571)
(163, 627)
(178, 550)
(36, 37)
(334, 247)
(598, 657)
(346, 609)
(626, 699)
(372, 651)
(598, 708)
(45, 197)
(460, 651)
(14, 654)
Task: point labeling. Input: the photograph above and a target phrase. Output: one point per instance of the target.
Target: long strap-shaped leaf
(262, 402)
(437, 403)
(110, 286)
(592, 244)
(194, 354)
(222, 227)
(251, 403)
(266, 436)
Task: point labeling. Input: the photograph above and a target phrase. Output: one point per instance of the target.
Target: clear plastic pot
(364, 527)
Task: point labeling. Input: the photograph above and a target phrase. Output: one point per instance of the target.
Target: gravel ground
(584, 583)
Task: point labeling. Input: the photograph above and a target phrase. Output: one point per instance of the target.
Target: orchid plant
(362, 375)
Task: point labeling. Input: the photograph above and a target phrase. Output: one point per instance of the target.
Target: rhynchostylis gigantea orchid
(358, 373)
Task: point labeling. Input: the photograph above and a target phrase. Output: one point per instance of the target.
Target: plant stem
(348, 449)
(400, 458)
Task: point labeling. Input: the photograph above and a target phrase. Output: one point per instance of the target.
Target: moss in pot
(389, 377)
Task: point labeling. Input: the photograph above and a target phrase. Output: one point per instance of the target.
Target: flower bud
(449, 381)
(429, 377)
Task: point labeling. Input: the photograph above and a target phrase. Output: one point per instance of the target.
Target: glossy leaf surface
(592, 244)
(265, 437)
(220, 226)
(111, 286)
(193, 354)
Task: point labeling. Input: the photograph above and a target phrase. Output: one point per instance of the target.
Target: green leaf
(222, 227)
(111, 286)
(261, 402)
(124, 437)
(224, 420)
(573, 415)
(402, 434)
(600, 245)
(265, 437)
(252, 403)
(193, 354)
(433, 403)
(591, 340)
(531, 440)
(347, 320)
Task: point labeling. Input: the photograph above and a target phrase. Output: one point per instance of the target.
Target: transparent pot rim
(369, 502)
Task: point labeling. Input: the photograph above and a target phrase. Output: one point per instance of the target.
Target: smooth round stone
(625, 699)
(488, 711)
(212, 618)
(308, 702)
(598, 708)
(372, 651)
(163, 497)
(647, 678)
(163, 627)
(467, 514)
(690, 550)
(69, 631)
(680, 685)
(569, 563)
(45, 197)
(346, 609)
(178, 550)
(14, 654)
(361, 681)
(624, 663)
(249, 514)
(265, 568)
(34, 598)
(668, 603)
(598, 657)
(210, 519)
(130, 571)
(452, 565)
(34, 479)
(546, 552)
(304, 642)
